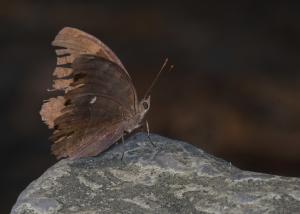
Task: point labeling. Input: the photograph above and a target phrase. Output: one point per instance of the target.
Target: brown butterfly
(99, 103)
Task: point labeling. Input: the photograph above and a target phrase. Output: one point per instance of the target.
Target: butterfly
(99, 102)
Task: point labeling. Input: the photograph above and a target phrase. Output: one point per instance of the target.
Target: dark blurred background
(234, 91)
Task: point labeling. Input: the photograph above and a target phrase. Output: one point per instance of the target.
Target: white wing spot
(93, 100)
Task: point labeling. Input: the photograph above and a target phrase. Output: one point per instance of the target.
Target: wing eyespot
(68, 102)
(78, 76)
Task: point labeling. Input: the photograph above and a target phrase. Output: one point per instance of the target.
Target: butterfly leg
(123, 142)
(148, 134)
(123, 151)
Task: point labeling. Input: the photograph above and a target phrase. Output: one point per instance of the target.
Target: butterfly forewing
(76, 42)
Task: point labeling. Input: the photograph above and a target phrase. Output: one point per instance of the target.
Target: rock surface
(170, 177)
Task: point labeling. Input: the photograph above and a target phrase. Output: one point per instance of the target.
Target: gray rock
(172, 177)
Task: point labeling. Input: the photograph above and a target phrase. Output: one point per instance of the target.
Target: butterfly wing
(99, 96)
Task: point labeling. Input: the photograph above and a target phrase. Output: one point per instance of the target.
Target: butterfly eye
(146, 106)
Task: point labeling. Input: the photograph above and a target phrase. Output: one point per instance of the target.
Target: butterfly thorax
(132, 123)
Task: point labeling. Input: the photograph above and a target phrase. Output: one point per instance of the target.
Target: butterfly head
(144, 106)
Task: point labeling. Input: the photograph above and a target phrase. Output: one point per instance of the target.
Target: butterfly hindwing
(95, 108)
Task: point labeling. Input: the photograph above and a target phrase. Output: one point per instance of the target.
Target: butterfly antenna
(157, 76)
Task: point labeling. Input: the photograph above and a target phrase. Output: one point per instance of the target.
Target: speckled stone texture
(170, 177)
